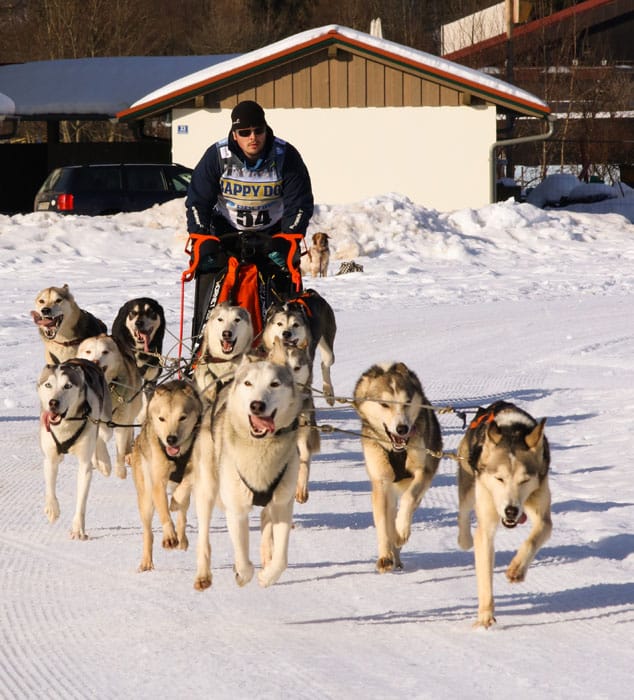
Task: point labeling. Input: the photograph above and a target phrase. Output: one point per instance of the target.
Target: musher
(250, 197)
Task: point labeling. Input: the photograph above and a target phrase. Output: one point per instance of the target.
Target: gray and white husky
(401, 442)
(75, 411)
(227, 336)
(246, 455)
(504, 459)
(309, 319)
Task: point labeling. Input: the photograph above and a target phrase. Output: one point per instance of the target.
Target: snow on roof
(442, 68)
(7, 105)
(89, 86)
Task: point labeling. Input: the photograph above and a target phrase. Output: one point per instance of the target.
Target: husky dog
(308, 440)
(317, 258)
(62, 324)
(140, 326)
(309, 318)
(124, 384)
(161, 457)
(401, 443)
(75, 411)
(228, 334)
(246, 454)
(504, 459)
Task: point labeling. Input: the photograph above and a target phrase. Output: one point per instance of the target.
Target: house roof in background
(585, 15)
(89, 88)
(296, 46)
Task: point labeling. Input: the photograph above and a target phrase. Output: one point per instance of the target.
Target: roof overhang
(426, 65)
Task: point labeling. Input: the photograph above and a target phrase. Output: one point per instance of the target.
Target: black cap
(247, 113)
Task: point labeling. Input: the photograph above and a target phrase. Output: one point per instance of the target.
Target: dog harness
(263, 498)
(64, 447)
(397, 462)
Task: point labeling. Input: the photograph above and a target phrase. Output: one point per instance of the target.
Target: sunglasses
(257, 130)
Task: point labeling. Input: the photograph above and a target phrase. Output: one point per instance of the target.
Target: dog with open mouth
(245, 456)
(401, 442)
(309, 319)
(62, 324)
(161, 463)
(140, 326)
(228, 334)
(504, 459)
(75, 412)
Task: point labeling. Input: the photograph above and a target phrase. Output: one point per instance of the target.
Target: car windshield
(180, 180)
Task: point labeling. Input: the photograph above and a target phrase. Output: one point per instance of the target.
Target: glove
(212, 257)
(278, 259)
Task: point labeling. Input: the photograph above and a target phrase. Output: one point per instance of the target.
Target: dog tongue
(42, 321)
(48, 418)
(261, 423)
(172, 451)
(522, 519)
(146, 341)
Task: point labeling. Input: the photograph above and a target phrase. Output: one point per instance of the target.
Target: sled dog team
(242, 431)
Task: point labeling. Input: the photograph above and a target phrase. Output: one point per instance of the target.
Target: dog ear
(534, 438)
(494, 434)
(277, 355)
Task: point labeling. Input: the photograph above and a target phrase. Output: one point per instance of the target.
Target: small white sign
(182, 129)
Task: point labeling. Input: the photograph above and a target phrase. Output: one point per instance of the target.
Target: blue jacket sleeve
(203, 192)
(298, 193)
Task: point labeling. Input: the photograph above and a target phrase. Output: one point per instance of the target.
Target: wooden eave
(329, 41)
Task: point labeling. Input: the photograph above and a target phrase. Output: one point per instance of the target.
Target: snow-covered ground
(508, 301)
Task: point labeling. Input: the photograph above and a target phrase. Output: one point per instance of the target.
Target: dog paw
(51, 509)
(516, 571)
(202, 582)
(104, 467)
(301, 495)
(170, 540)
(465, 541)
(183, 543)
(243, 576)
(146, 565)
(268, 576)
(79, 534)
(485, 619)
(384, 564)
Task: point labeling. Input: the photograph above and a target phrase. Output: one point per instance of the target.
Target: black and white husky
(75, 415)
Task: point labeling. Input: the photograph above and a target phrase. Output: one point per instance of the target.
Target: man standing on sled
(248, 206)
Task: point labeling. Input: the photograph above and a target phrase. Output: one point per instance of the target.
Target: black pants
(275, 285)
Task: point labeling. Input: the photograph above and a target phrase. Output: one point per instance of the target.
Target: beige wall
(436, 156)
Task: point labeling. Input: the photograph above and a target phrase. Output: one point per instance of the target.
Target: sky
(509, 302)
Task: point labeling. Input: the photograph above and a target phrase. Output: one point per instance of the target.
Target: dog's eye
(58, 301)
(275, 384)
(248, 383)
(68, 385)
(161, 419)
(48, 385)
(183, 417)
(500, 479)
(383, 404)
